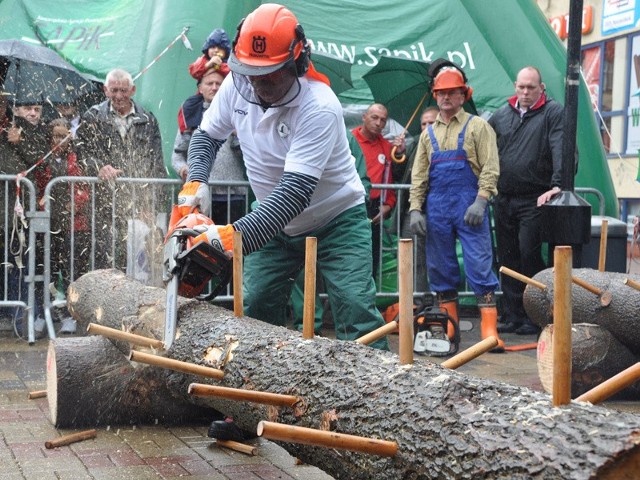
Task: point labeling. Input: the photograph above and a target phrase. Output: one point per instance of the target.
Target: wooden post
(378, 333)
(309, 311)
(238, 261)
(241, 395)
(71, 438)
(405, 291)
(322, 438)
(562, 317)
(238, 447)
(176, 365)
(612, 386)
(602, 259)
(632, 283)
(131, 338)
(37, 394)
(471, 353)
(523, 278)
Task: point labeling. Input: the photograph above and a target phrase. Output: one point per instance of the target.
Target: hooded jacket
(529, 147)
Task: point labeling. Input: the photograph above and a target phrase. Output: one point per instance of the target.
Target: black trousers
(518, 224)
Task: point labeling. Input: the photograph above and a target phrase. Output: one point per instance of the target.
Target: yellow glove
(194, 194)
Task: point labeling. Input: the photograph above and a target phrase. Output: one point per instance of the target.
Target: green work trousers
(344, 261)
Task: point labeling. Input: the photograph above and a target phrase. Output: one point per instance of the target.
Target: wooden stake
(309, 311)
(605, 295)
(176, 365)
(37, 394)
(238, 280)
(322, 438)
(405, 291)
(131, 338)
(602, 259)
(71, 438)
(253, 396)
(238, 447)
(632, 283)
(612, 386)
(378, 333)
(523, 278)
(562, 318)
(471, 353)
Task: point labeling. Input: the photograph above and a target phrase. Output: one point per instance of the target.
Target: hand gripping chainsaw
(188, 266)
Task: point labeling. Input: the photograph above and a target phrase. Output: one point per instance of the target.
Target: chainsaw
(189, 266)
(430, 333)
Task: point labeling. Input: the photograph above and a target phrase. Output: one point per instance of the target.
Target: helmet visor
(236, 66)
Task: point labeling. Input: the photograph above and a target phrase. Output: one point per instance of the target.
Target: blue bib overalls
(453, 187)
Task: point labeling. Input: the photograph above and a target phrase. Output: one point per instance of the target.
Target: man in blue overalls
(456, 168)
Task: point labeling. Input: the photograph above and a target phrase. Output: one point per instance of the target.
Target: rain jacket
(529, 147)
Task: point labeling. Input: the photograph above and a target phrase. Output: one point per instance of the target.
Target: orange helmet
(450, 77)
(266, 40)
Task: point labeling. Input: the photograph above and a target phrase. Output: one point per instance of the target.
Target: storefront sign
(619, 15)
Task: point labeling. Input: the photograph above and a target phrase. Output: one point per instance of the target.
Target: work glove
(475, 213)
(194, 194)
(219, 237)
(417, 223)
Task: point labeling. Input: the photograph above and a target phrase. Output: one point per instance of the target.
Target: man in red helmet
(456, 168)
(293, 139)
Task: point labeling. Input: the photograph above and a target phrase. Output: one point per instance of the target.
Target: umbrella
(336, 69)
(404, 87)
(36, 72)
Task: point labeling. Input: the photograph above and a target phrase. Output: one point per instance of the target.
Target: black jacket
(530, 148)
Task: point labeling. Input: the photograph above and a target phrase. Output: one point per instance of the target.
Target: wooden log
(71, 438)
(620, 317)
(612, 386)
(91, 383)
(446, 425)
(597, 356)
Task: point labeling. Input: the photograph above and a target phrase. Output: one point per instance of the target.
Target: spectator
(70, 203)
(26, 133)
(529, 134)
(69, 109)
(215, 53)
(228, 165)
(456, 168)
(295, 149)
(367, 141)
(119, 138)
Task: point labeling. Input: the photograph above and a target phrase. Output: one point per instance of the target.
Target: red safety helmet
(450, 77)
(266, 40)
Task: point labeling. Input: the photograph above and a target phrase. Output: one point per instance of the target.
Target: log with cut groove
(446, 424)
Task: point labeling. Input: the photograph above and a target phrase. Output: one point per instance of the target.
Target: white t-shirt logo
(382, 158)
(283, 130)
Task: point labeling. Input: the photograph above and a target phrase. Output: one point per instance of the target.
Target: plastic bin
(616, 245)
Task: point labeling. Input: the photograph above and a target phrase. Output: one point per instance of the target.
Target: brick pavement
(131, 452)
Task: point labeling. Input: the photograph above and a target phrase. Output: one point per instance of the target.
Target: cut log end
(52, 384)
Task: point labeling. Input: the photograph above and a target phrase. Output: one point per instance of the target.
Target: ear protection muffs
(302, 62)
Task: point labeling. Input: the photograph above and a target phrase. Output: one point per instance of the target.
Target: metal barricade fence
(18, 254)
(86, 224)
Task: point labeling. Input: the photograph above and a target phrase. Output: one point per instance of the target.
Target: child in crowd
(215, 52)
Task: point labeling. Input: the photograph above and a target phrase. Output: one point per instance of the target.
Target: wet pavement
(157, 452)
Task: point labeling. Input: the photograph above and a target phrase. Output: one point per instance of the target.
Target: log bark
(620, 317)
(446, 424)
(91, 383)
(596, 357)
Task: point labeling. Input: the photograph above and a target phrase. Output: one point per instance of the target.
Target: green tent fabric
(478, 35)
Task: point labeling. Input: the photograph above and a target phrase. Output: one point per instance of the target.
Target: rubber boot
(450, 304)
(489, 321)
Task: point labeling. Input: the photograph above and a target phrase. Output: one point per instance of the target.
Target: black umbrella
(34, 72)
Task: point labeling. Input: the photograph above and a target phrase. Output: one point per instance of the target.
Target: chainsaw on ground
(189, 266)
(430, 333)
